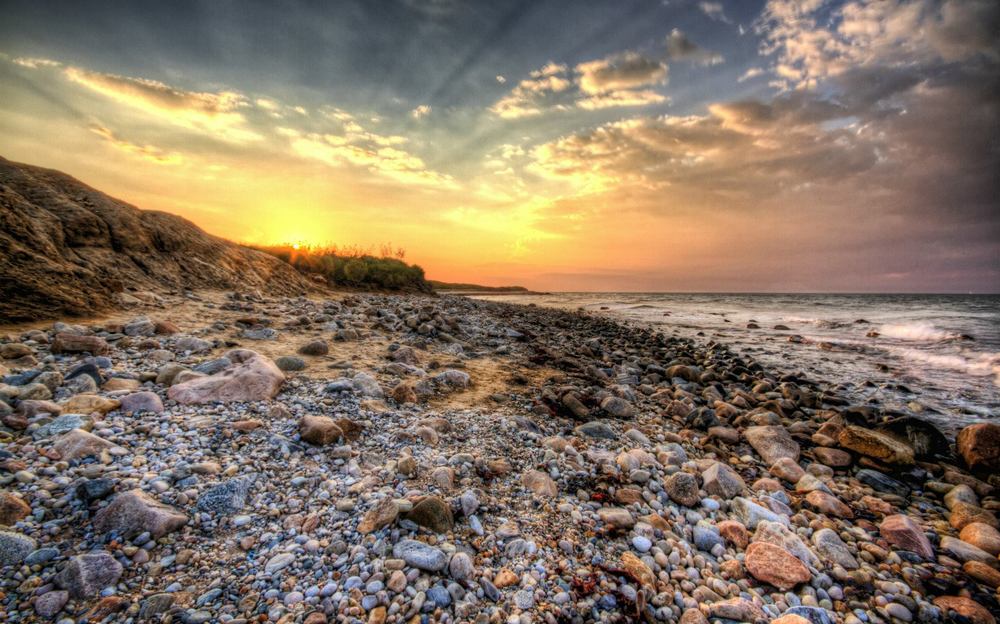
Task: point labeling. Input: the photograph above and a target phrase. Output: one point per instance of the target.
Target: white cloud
(714, 10)
(421, 111)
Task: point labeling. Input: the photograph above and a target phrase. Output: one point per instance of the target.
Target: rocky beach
(219, 456)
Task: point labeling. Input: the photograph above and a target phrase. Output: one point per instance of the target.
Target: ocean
(935, 356)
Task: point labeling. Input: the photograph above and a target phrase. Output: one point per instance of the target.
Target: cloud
(714, 10)
(216, 114)
(351, 144)
(35, 63)
(750, 74)
(501, 79)
(421, 111)
(621, 71)
(147, 152)
(810, 46)
(680, 48)
(616, 80)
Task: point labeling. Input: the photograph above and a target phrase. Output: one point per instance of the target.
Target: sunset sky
(562, 145)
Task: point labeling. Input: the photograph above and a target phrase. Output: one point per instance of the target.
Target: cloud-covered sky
(786, 145)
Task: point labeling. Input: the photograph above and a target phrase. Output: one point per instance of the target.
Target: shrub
(353, 266)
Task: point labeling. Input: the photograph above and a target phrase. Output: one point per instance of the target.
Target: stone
(616, 517)
(30, 409)
(982, 572)
(72, 343)
(832, 549)
(737, 610)
(433, 513)
(142, 402)
(882, 483)
(982, 536)
(540, 484)
(12, 509)
(903, 533)
(682, 488)
(963, 514)
(972, 611)
(15, 548)
(774, 565)
(290, 363)
(788, 469)
(49, 604)
(78, 443)
(94, 489)
(141, 326)
(134, 512)
(319, 430)
(89, 403)
(366, 385)
(962, 551)
(453, 380)
(596, 429)
(772, 442)
(638, 570)
(979, 446)
(618, 407)
(960, 494)
(780, 535)
(420, 555)
(876, 445)
(84, 576)
(828, 504)
(227, 497)
(315, 347)
(751, 514)
(460, 567)
(14, 350)
(722, 481)
(279, 562)
(735, 533)
(380, 516)
(790, 618)
(834, 458)
(251, 377)
(62, 424)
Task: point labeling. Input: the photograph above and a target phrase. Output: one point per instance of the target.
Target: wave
(921, 331)
(975, 364)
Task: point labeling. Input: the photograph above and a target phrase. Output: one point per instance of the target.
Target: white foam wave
(975, 364)
(916, 331)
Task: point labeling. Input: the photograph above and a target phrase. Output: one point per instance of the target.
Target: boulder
(14, 548)
(433, 513)
(775, 565)
(89, 404)
(969, 610)
(134, 512)
(722, 481)
(876, 445)
(141, 402)
(319, 430)
(982, 536)
(682, 488)
(71, 343)
(381, 515)
(539, 483)
(979, 446)
(903, 533)
(78, 443)
(84, 576)
(772, 442)
(250, 377)
(420, 555)
(12, 509)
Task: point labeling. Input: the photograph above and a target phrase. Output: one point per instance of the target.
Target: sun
(296, 246)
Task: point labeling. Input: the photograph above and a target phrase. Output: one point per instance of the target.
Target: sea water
(937, 356)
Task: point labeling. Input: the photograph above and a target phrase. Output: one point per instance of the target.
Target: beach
(213, 456)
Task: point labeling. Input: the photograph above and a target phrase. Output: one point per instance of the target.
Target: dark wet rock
(94, 489)
(881, 482)
(227, 497)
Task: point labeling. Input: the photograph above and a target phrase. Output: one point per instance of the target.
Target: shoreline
(551, 465)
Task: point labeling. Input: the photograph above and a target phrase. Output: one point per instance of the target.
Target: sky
(627, 145)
